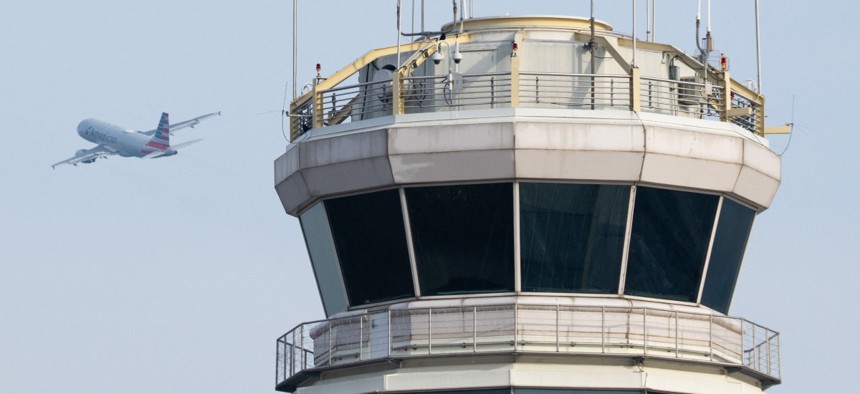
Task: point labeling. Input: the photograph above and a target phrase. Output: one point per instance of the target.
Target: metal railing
(579, 91)
(535, 90)
(679, 98)
(511, 328)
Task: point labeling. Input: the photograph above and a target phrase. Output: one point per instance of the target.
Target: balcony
(633, 332)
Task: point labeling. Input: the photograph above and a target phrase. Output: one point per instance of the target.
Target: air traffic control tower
(527, 204)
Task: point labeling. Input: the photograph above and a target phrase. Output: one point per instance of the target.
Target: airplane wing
(86, 156)
(188, 123)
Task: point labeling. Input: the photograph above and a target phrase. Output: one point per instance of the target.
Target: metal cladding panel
(454, 379)
(692, 159)
(689, 172)
(343, 148)
(345, 163)
(348, 176)
(579, 151)
(579, 136)
(294, 193)
(288, 164)
(762, 160)
(578, 165)
(756, 187)
(703, 146)
(447, 138)
(453, 166)
(347, 384)
(596, 377)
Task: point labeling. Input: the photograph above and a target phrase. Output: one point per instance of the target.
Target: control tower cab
(525, 204)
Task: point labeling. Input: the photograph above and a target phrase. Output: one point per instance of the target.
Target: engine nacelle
(82, 152)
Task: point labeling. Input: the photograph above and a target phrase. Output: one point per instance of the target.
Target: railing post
(293, 355)
(711, 337)
(676, 334)
(635, 90)
(474, 329)
(557, 339)
(603, 329)
(753, 349)
(329, 343)
(429, 331)
(768, 353)
(302, 348)
(645, 330)
(390, 345)
(360, 336)
(516, 326)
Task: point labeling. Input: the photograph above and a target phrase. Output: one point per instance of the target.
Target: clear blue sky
(177, 275)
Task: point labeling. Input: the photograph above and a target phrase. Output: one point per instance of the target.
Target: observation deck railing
(522, 329)
(333, 102)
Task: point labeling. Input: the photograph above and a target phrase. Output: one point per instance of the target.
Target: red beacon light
(318, 69)
(514, 48)
(724, 62)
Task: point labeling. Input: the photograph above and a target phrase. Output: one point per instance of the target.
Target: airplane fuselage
(126, 143)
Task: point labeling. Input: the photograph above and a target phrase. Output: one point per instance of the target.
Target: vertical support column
(635, 89)
(396, 93)
(318, 108)
(727, 97)
(515, 72)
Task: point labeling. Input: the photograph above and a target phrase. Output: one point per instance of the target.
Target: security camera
(437, 57)
(457, 56)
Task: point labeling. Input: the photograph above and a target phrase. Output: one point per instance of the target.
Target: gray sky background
(177, 275)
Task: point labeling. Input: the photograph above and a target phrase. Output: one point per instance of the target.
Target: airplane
(115, 140)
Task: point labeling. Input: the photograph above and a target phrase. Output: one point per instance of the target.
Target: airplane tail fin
(161, 138)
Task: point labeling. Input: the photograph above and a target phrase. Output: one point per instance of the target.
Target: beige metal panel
(287, 164)
(343, 147)
(686, 172)
(488, 375)
(453, 138)
(591, 377)
(576, 165)
(701, 383)
(704, 146)
(348, 176)
(756, 187)
(371, 383)
(580, 136)
(293, 193)
(453, 166)
(763, 160)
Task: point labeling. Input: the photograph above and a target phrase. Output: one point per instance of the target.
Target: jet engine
(82, 152)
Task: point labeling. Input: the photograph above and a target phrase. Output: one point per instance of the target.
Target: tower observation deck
(527, 204)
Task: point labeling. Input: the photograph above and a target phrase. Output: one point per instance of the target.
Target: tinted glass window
(671, 232)
(463, 237)
(733, 230)
(370, 238)
(572, 236)
(324, 259)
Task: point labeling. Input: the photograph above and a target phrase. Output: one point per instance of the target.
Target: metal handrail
(516, 328)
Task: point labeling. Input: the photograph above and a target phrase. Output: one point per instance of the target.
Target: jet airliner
(115, 140)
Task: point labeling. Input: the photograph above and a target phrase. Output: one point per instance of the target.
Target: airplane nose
(82, 127)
